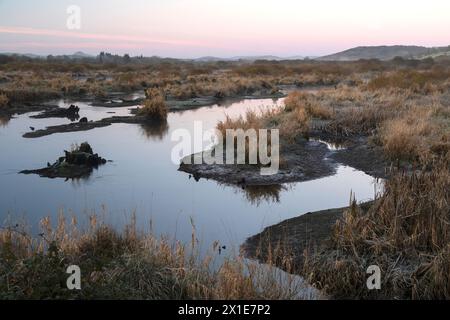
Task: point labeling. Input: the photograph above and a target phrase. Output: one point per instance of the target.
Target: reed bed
(127, 265)
(406, 232)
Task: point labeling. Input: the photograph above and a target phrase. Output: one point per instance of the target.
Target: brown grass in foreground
(406, 233)
(127, 265)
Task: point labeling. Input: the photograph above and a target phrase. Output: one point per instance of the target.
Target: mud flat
(361, 155)
(85, 126)
(71, 127)
(304, 160)
(356, 151)
(71, 113)
(291, 237)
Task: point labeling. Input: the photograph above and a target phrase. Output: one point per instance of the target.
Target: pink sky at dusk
(193, 28)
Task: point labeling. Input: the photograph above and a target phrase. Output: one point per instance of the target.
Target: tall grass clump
(125, 265)
(301, 101)
(406, 232)
(417, 135)
(424, 82)
(155, 107)
(252, 121)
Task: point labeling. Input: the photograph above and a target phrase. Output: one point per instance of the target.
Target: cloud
(99, 37)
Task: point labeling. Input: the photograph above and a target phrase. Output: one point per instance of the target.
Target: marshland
(368, 139)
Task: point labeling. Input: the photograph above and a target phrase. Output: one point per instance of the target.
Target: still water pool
(142, 179)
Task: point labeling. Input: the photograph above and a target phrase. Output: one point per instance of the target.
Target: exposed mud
(71, 113)
(70, 127)
(291, 237)
(362, 155)
(303, 160)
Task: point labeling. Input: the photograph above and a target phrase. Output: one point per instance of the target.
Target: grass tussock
(155, 107)
(252, 121)
(406, 233)
(425, 82)
(126, 265)
(404, 137)
(298, 101)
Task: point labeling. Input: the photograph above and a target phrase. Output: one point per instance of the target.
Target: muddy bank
(117, 100)
(71, 113)
(85, 126)
(25, 108)
(117, 103)
(357, 152)
(71, 127)
(291, 237)
(182, 104)
(303, 160)
(363, 156)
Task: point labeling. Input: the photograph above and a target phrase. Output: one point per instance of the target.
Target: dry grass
(252, 120)
(406, 233)
(424, 82)
(417, 135)
(408, 126)
(155, 107)
(297, 100)
(127, 265)
(219, 85)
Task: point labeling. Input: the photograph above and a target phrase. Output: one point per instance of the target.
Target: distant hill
(76, 55)
(387, 53)
(248, 58)
(27, 55)
(81, 54)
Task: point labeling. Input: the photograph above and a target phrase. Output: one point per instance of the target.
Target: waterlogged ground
(143, 179)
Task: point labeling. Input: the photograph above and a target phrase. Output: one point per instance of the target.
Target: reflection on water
(258, 194)
(143, 179)
(261, 103)
(4, 120)
(331, 145)
(155, 129)
(73, 117)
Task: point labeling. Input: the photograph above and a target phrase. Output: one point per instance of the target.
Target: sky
(196, 28)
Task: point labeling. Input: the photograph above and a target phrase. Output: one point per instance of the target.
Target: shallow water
(143, 179)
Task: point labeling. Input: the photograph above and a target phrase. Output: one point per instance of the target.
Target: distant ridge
(353, 54)
(387, 53)
(76, 55)
(250, 58)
